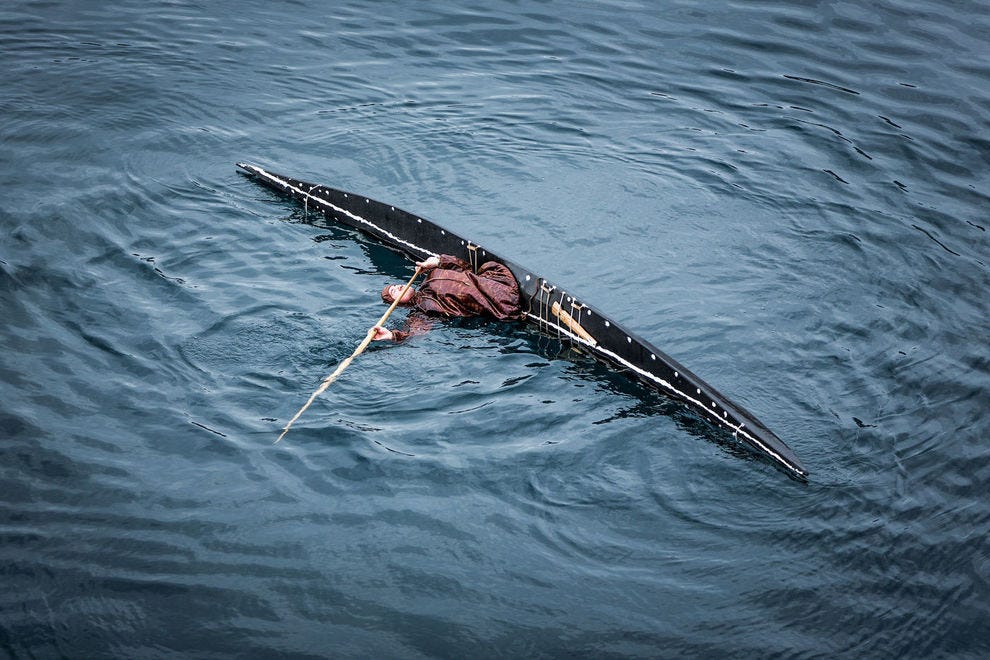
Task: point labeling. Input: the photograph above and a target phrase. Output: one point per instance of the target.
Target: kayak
(547, 305)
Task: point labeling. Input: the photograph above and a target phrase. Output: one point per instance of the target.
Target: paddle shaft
(347, 362)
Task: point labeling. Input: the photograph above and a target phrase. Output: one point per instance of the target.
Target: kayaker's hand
(429, 264)
(381, 334)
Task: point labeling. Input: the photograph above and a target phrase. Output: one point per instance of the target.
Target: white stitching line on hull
(663, 383)
(345, 212)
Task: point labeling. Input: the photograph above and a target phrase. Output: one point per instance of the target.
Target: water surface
(789, 198)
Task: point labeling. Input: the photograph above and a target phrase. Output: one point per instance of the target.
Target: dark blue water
(789, 198)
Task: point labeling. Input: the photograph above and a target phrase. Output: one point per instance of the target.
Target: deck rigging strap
(545, 304)
(309, 193)
(473, 256)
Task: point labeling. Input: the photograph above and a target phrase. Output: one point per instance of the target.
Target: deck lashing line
(473, 256)
(545, 303)
(580, 309)
(536, 291)
(306, 201)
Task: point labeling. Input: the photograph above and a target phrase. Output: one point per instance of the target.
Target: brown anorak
(452, 289)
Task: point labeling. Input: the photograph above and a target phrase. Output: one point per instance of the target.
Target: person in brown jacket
(452, 289)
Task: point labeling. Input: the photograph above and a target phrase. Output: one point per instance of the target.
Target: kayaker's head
(390, 292)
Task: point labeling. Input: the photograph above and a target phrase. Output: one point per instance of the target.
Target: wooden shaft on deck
(571, 324)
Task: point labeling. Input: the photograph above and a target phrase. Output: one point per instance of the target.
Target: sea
(788, 197)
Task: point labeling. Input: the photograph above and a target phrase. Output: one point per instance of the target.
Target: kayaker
(451, 290)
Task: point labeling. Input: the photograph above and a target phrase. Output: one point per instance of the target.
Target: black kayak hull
(419, 238)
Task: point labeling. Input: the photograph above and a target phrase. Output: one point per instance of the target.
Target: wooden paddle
(360, 349)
